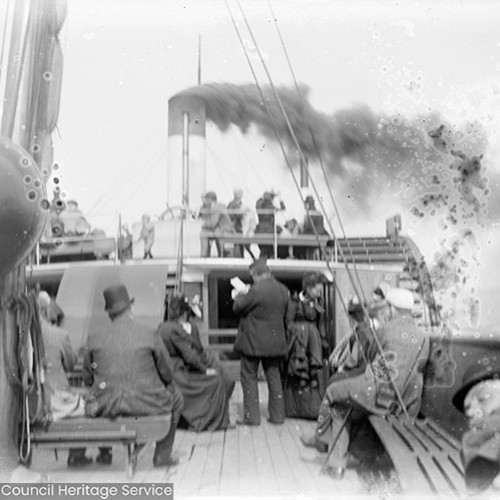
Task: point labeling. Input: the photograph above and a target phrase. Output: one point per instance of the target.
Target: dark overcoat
(129, 371)
(264, 313)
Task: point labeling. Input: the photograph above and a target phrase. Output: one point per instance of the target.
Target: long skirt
(206, 398)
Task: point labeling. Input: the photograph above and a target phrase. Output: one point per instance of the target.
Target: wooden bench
(131, 432)
(425, 457)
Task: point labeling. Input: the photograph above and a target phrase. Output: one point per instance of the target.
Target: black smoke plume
(422, 157)
(433, 167)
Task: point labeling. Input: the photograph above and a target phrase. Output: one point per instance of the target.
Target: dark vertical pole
(304, 178)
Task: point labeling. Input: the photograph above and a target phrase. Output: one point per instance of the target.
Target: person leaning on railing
(242, 219)
(216, 222)
(266, 212)
(313, 224)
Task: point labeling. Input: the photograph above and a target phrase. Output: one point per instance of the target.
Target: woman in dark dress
(205, 387)
(304, 385)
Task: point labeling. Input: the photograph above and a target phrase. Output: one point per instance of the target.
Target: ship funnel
(186, 176)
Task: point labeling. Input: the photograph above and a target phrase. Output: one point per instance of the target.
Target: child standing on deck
(148, 235)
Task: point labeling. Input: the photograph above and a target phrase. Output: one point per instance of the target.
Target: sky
(124, 59)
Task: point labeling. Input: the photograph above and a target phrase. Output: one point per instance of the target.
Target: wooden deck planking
(248, 481)
(211, 474)
(281, 469)
(264, 461)
(302, 476)
(184, 451)
(193, 468)
(268, 476)
(229, 482)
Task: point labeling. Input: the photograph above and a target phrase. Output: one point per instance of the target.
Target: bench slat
(436, 461)
(445, 436)
(401, 456)
(422, 463)
(146, 428)
(82, 437)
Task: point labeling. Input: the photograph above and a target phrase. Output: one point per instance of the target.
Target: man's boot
(105, 456)
(77, 458)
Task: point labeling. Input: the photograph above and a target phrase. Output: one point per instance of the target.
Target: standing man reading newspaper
(261, 338)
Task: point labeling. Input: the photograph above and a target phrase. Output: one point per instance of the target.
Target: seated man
(60, 358)
(216, 222)
(398, 366)
(130, 373)
(479, 399)
(73, 220)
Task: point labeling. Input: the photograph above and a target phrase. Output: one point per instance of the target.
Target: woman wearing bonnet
(205, 387)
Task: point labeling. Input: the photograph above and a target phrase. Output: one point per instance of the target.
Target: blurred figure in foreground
(479, 398)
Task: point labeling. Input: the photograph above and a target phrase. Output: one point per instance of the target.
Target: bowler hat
(473, 375)
(116, 299)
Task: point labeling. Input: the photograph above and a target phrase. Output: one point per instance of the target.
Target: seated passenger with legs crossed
(391, 383)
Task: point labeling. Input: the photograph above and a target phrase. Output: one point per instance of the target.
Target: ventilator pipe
(23, 205)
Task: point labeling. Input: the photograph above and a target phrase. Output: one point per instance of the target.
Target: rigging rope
(273, 123)
(278, 138)
(318, 153)
(27, 372)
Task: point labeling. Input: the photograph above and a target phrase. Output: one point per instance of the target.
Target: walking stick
(330, 451)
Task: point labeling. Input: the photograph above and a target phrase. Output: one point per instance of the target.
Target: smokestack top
(194, 106)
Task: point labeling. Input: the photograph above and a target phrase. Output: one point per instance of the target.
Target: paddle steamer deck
(251, 462)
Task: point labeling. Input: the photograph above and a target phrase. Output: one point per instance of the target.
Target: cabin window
(220, 307)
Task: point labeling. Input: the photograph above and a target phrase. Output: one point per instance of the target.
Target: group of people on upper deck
(237, 218)
(376, 367)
